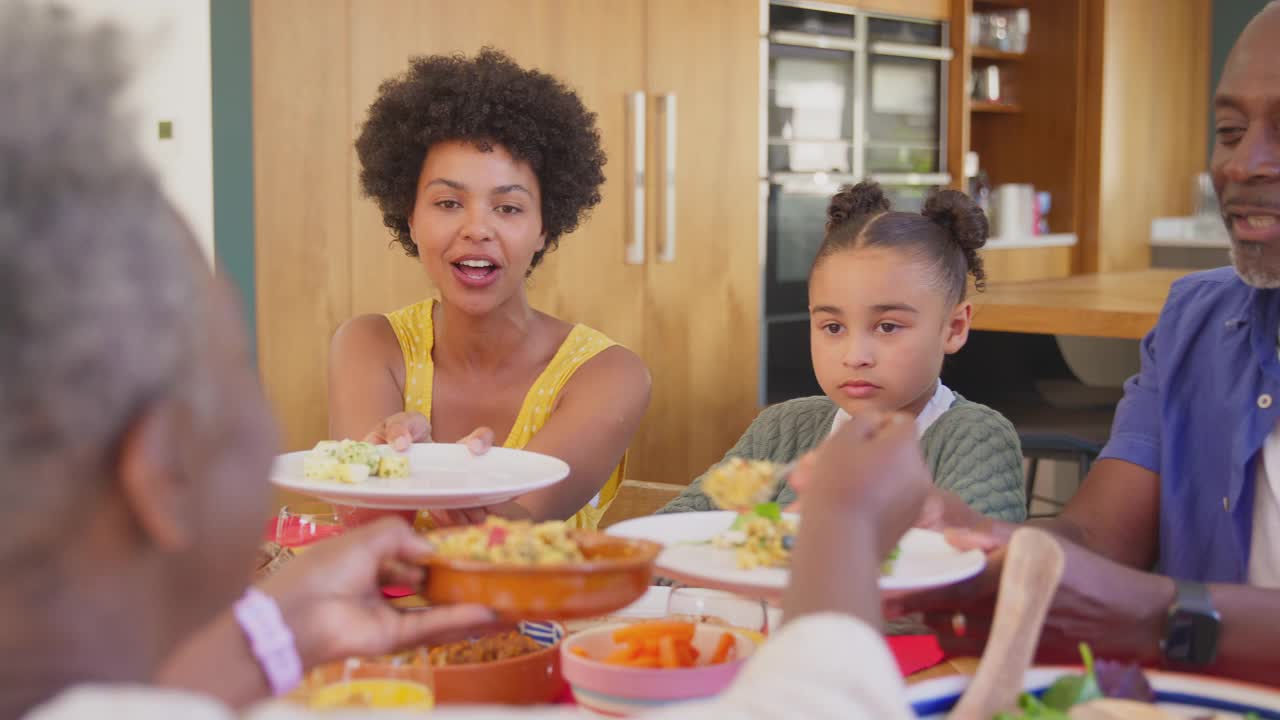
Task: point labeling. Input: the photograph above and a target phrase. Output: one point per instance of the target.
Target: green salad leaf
(1059, 697)
(1031, 708)
(1074, 689)
(768, 511)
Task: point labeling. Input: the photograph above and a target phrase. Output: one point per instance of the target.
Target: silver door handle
(667, 252)
(635, 244)
(922, 52)
(912, 178)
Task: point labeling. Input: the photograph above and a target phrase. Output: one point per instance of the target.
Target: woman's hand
(406, 428)
(401, 430)
(478, 442)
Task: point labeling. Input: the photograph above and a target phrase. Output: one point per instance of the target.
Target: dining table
(1122, 305)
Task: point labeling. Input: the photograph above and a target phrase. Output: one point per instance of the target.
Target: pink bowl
(619, 690)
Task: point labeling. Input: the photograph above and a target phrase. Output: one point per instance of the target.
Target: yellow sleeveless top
(416, 333)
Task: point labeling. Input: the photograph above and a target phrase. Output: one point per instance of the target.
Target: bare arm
(1122, 612)
(863, 488)
(848, 587)
(1116, 514)
(366, 370)
(1117, 608)
(1111, 529)
(238, 680)
(598, 413)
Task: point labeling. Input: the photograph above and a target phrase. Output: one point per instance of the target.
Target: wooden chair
(637, 498)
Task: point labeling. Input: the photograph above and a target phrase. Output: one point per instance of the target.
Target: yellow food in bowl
(373, 693)
(509, 542)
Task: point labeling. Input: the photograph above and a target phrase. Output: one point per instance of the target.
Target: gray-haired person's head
(133, 436)
(98, 278)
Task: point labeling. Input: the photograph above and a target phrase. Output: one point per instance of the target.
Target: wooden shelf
(984, 106)
(1000, 3)
(983, 53)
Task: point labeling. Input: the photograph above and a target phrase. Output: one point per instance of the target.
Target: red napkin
(915, 652)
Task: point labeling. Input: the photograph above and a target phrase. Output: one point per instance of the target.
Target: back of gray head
(99, 276)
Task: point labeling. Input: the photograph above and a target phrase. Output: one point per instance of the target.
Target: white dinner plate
(926, 560)
(441, 475)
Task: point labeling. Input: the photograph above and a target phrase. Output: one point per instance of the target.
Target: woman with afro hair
(480, 167)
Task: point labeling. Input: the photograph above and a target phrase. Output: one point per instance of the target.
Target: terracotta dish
(615, 573)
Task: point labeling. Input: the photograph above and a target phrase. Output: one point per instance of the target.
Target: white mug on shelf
(1012, 212)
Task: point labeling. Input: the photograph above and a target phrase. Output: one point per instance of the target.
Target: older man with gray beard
(1189, 484)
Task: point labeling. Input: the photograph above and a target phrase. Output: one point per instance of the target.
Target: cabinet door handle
(922, 52)
(635, 243)
(667, 252)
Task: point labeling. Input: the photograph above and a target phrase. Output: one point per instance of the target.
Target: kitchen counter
(1114, 305)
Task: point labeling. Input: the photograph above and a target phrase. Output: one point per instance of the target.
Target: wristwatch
(1192, 629)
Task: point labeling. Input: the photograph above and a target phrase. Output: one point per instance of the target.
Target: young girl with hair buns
(887, 304)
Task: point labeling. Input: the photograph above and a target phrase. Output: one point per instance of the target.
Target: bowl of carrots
(628, 668)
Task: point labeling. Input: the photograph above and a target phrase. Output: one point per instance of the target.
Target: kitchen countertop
(1114, 305)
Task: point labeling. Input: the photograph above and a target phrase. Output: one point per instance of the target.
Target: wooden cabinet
(691, 311)
(302, 134)
(702, 318)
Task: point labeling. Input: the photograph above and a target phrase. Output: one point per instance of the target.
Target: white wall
(168, 46)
